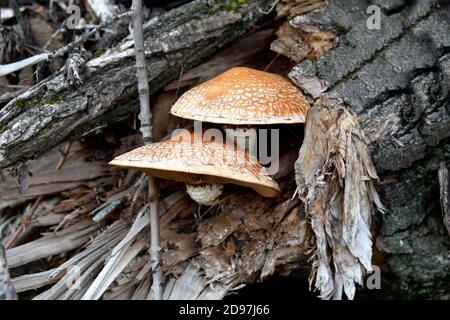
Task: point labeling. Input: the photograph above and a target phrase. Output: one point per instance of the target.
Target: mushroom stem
(206, 194)
(243, 137)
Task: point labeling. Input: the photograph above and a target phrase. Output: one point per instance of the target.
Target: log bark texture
(50, 112)
(396, 79)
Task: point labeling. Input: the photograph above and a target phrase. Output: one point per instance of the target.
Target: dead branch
(145, 116)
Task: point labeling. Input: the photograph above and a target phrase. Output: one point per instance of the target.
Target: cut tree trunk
(396, 79)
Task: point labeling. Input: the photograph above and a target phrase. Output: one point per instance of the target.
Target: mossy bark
(396, 79)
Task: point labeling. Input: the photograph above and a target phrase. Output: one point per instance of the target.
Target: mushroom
(241, 98)
(204, 166)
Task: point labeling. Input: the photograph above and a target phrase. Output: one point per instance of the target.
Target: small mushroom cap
(190, 160)
(243, 96)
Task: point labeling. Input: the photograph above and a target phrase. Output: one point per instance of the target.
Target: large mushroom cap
(243, 96)
(186, 159)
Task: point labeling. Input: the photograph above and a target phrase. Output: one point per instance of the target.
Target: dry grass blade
(35, 280)
(52, 244)
(69, 275)
(113, 268)
(126, 250)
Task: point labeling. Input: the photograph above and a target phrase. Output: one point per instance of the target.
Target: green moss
(21, 103)
(55, 99)
(4, 127)
(340, 27)
(98, 53)
(227, 5)
(36, 99)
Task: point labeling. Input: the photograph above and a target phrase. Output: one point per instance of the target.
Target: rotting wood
(45, 180)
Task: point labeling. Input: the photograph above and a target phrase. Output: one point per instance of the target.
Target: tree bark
(396, 79)
(50, 112)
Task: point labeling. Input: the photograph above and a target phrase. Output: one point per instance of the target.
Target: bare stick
(26, 218)
(145, 117)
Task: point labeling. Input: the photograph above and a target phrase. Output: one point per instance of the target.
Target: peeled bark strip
(335, 178)
(7, 291)
(396, 79)
(444, 187)
(50, 113)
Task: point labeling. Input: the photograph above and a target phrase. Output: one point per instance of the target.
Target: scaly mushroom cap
(193, 161)
(243, 96)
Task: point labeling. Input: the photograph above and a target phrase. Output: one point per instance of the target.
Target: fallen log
(396, 79)
(50, 112)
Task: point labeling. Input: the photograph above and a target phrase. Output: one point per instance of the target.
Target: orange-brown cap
(193, 161)
(243, 96)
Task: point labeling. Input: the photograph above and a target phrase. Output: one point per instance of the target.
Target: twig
(145, 117)
(64, 154)
(15, 66)
(26, 217)
(52, 37)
